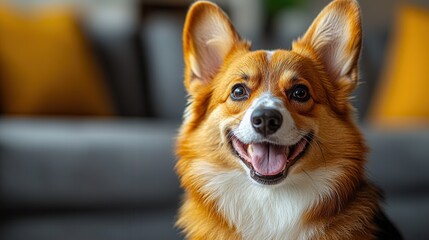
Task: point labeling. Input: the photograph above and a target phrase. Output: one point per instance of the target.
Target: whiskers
(314, 142)
(226, 131)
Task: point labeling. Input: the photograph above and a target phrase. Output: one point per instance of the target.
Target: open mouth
(269, 163)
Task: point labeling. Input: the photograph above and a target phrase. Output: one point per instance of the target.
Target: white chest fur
(265, 212)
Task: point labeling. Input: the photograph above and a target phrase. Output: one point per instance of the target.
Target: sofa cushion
(401, 98)
(87, 164)
(398, 160)
(47, 66)
(162, 41)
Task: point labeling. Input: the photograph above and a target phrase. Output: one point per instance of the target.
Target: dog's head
(270, 114)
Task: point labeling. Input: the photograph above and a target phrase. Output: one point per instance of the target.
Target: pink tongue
(268, 159)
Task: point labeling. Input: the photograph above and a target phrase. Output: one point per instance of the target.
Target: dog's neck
(265, 212)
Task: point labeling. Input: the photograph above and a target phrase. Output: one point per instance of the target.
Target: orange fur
(338, 146)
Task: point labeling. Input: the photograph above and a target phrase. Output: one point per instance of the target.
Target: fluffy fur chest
(261, 212)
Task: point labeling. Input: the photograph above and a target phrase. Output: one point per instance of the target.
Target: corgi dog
(269, 148)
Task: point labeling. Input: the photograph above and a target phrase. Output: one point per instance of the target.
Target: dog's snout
(266, 121)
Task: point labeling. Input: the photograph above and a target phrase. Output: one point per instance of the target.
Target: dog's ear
(208, 37)
(335, 38)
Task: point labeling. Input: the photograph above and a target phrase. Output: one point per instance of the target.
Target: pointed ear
(208, 37)
(335, 37)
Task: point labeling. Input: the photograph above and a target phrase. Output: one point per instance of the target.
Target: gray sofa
(87, 180)
(114, 179)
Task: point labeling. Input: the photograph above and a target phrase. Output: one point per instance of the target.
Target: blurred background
(91, 97)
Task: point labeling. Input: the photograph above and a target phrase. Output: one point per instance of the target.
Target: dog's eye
(300, 93)
(239, 92)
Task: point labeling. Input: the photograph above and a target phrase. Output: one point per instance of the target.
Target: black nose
(266, 121)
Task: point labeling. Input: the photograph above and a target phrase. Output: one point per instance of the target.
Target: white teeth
(250, 149)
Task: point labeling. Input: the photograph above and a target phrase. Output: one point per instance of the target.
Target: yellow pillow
(403, 95)
(46, 67)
